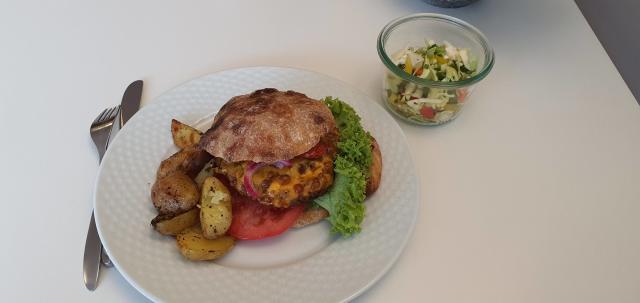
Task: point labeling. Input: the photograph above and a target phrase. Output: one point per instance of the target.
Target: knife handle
(92, 251)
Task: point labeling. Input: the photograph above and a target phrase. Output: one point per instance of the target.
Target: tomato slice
(316, 152)
(253, 221)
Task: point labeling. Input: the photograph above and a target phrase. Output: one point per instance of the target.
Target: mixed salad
(436, 62)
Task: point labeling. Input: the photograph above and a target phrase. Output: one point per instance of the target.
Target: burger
(279, 150)
(275, 147)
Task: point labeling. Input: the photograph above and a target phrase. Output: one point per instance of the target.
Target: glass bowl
(400, 89)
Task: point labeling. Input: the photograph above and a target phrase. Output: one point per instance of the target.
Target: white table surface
(532, 195)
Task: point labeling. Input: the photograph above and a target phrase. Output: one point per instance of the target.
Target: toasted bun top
(266, 126)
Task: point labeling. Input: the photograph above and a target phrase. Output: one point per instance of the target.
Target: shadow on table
(113, 276)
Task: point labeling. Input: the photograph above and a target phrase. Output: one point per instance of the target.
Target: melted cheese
(280, 187)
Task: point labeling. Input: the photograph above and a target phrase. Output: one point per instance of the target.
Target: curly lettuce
(345, 200)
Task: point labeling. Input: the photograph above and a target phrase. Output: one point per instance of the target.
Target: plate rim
(155, 102)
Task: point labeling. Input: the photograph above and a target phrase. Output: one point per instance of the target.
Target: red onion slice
(282, 163)
(252, 167)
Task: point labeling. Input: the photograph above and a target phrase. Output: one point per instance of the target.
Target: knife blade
(130, 101)
(93, 247)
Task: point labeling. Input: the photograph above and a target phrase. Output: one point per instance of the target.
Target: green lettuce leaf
(344, 201)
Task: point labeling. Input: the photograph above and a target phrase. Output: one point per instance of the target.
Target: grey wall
(617, 25)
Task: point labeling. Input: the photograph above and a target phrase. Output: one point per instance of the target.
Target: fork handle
(104, 259)
(102, 137)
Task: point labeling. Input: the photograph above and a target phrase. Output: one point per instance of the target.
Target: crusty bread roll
(266, 126)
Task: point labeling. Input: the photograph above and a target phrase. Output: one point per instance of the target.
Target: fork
(100, 130)
(100, 133)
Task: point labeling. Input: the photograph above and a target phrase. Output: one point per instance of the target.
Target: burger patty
(304, 180)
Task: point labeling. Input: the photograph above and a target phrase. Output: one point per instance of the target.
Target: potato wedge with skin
(206, 171)
(375, 171)
(172, 164)
(184, 135)
(175, 194)
(194, 246)
(189, 160)
(171, 225)
(215, 208)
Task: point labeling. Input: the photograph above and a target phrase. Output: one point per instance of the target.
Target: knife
(93, 247)
(128, 107)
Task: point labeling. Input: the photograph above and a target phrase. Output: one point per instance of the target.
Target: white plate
(306, 265)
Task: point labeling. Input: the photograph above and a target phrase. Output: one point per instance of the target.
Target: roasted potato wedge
(206, 171)
(175, 194)
(172, 164)
(171, 225)
(194, 246)
(375, 171)
(184, 135)
(215, 208)
(189, 160)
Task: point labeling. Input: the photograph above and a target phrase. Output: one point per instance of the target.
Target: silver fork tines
(101, 127)
(106, 115)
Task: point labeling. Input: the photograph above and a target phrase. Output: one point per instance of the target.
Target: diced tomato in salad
(462, 94)
(427, 112)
